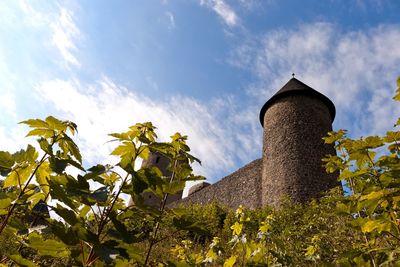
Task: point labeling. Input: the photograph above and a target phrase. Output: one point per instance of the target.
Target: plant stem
(162, 207)
(103, 221)
(10, 212)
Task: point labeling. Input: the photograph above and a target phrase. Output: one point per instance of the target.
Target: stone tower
(295, 119)
(157, 160)
(161, 162)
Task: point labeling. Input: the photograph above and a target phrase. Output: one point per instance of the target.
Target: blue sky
(200, 67)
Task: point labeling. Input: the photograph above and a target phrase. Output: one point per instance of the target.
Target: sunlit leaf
(47, 247)
(230, 262)
(21, 261)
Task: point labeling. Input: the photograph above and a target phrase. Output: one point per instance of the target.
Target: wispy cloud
(170, 20)
(105, 107)
(65, 32)
(356, 69)
(223, 10)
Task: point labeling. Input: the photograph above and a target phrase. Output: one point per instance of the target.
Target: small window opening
(158, 159)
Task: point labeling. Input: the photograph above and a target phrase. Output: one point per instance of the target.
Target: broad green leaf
(5, 203)
(21, 261)
(6, 162)
(64, 233)
(69, 146)
(342, 208)
(45, 133)
(85, 234)
(68, 215)
(42, 175)
(48, 247)
(100, 194)
(57, 191)
(397, 95)
(174, 187)
(28, 155)
(18, 176)
(376, 225)
(311, 250)
(127, 152)
(236, 228)
(83, 211)
(35, 123)
(230, 262)
(56, 124)
(35, 198)
(374, 195)
(45, 146)
(58, 165)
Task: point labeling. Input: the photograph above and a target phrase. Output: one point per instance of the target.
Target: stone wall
(243, 187)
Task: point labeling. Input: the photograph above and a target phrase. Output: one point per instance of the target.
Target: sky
(200, 67)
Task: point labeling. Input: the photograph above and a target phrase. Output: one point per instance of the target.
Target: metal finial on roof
(293, 75)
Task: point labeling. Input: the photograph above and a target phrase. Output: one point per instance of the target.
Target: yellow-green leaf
(42, 174)
(311, 250)
(56, 124)
(46, 133)
(18, 176)
(21, 261)
(230, 262)
(376, 225)
(237, 228)
(35, 123)
(5, 202)
(48, 247)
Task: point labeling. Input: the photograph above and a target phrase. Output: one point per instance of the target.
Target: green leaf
(6, 162)
(379, 225)
(100, 194)
(56, 124)
(374, 195)
(230, 262)
(311, 250)
(68, 215)
(127, 152)
(21, 261)
(42, 174)
(45, 133)
(45, 146)
(35, 123)
(48, 247)
(58, 165)
(397, 95)
(342, 208)
(5, 203)
(83, 211)
(236, 228)
(70, 146)
(18, 176)
(64, 233)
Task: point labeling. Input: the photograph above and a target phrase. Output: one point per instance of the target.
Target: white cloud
(223, 10)
(170, 20)
(65, 32)
(8, 105)
(105, 107)
(356, 69)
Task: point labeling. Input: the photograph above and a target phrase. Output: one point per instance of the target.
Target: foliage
(95, 220)
(93, 226)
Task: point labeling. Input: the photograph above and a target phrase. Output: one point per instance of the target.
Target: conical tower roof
(296, 87)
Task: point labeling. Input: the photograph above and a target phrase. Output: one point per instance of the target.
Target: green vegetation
(95, 227)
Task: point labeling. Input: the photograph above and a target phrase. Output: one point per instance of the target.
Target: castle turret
(295, 119)
(161, 162)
